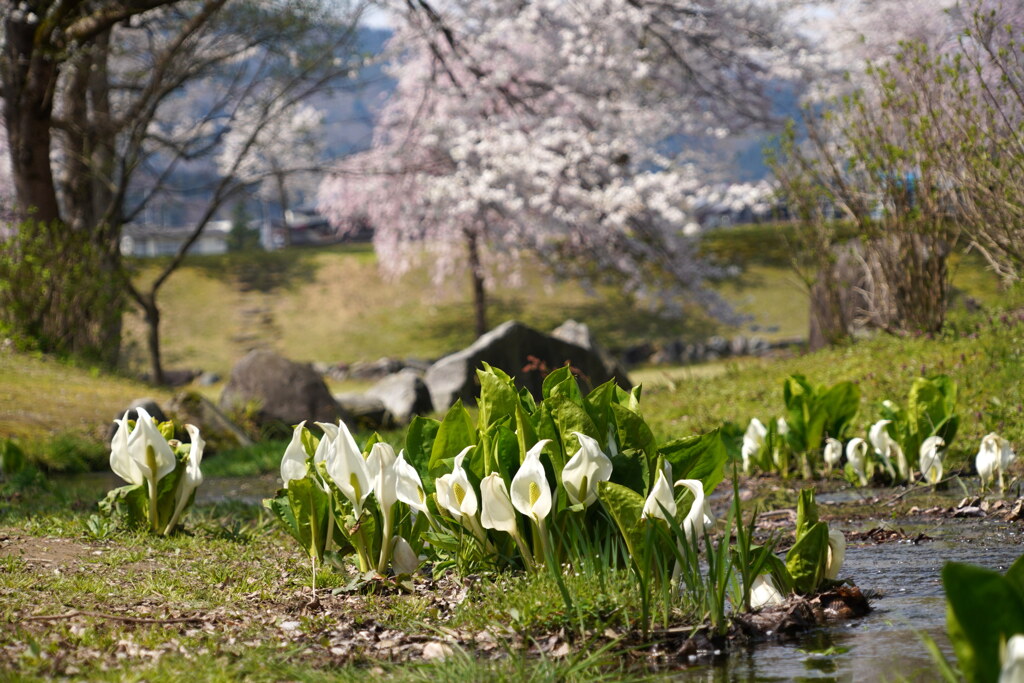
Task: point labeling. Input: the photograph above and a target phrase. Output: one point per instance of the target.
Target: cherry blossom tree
(542, 130)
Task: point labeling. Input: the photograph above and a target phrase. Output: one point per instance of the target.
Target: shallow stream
(904, 583)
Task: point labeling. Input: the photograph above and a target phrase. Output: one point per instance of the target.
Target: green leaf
(505, 449)
(1015, 575)
(498, 397)
(984, 609)
(454, 434)
(310, 508)
(526, 433)
(282, 510)
(700, 456)
(931, 402)
(633, 430)
(598, 405)
(805, 561)
(166, 493)
(806, 512)
(562, 382)
(625, 506)
(841, 403)
(632, 469)
(419, 441)
(569, 417)
(129, 502)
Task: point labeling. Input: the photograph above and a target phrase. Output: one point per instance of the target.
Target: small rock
(436, 650)
(969, 511)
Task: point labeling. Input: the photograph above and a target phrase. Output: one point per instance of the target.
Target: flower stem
(154, 523)
(385, 544)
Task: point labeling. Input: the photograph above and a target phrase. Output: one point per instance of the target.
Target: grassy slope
(332, 305)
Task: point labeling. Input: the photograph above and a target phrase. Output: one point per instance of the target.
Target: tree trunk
(29, 76)
(152, 314)
(476, 275)
(282, 198)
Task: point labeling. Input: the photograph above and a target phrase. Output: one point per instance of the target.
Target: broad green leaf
(1015, 575)
(526, 432)
(931, 402)
(632, 469)
(419, 441)
(282, 509)
(166, 490)
(598, 405)
(498, 397)
(505, 450)
(455, 433)
(130, 502)
(805, 561)
(806, 512)
(554, 378)
(841, 401)
(625, 506)
(633, 430)
(309, 504)
(774, 565)
(569, 417)
(527, 402)
(983, 609)
(700, 456)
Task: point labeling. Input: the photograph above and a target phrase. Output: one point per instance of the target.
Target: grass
(229, 599)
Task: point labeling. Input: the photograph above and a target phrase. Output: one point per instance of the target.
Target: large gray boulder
(282, 390)
(403, 394)
(523, 352)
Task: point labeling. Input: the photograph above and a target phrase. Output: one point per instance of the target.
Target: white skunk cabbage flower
(381, 464)
(987, 461)
(753, 442)
(857, 454)
(409, 486)
(347, 467)
(833, 453)
(145, 438)
(1011, 657)
(326, 447)
(584, 470)
(836, 554)
(191, 478)
(883, 445)
(699, 518)
(763, 592)
(121, 461)
(293, 462)
(661, 502)
(496, 510)
(454, 492)
(931, 459)
(530, 492)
